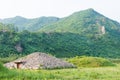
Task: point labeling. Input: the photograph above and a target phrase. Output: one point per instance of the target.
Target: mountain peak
(90, 9)
(83, 22)
(89, 12)
(19, 17)
(86, 13)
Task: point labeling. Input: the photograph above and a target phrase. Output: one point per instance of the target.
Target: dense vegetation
(3, 69)
(58, 44)
(82, 33)
(8, 27)
(90, 61)
(29, 24)
(87, 22)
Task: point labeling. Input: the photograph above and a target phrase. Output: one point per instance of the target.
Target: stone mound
(38, 60)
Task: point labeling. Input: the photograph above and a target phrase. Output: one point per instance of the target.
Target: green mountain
(16, 21)
(29, 24)
(85, 32)
(38, 23)
(83, 22)
(7, 27)
(94, 34)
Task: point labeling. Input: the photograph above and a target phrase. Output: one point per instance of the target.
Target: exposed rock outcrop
(18, 47)
(102, 30)
(38, 60)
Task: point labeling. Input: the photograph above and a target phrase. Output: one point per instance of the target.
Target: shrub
(90, 61)
(115, 60)
(9, 59)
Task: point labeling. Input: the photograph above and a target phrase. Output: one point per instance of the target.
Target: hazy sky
(58, 8)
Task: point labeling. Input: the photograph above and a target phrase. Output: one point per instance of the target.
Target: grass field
(101, 73)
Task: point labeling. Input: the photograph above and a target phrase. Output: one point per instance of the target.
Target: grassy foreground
(101, 73)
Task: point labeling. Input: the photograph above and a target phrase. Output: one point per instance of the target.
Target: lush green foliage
(29, 24)
(3, 69)
(117, 61)
(58, 44)
(75, 35)
(9, 59)
(86, 22)
(82, 61)
(7, 27)
(102, 73)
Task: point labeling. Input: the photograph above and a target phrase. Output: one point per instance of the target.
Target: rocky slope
(39, 60)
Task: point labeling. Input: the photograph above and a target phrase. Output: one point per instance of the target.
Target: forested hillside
(86, 22)
(29, 24)
(58, 44)
(8, 27)
(83, 33)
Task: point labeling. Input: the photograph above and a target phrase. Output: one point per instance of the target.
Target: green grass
(2, 68)
(12, 57)
(100, 73)
(115, 60)
(84, 61)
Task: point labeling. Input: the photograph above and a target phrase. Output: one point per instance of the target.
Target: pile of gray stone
(38, 60)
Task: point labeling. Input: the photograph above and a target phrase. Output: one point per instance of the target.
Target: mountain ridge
(74, 23)
(82, 33)
(29, 24)
(26, 24)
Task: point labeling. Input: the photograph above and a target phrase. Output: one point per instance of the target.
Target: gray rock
(38, 60)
